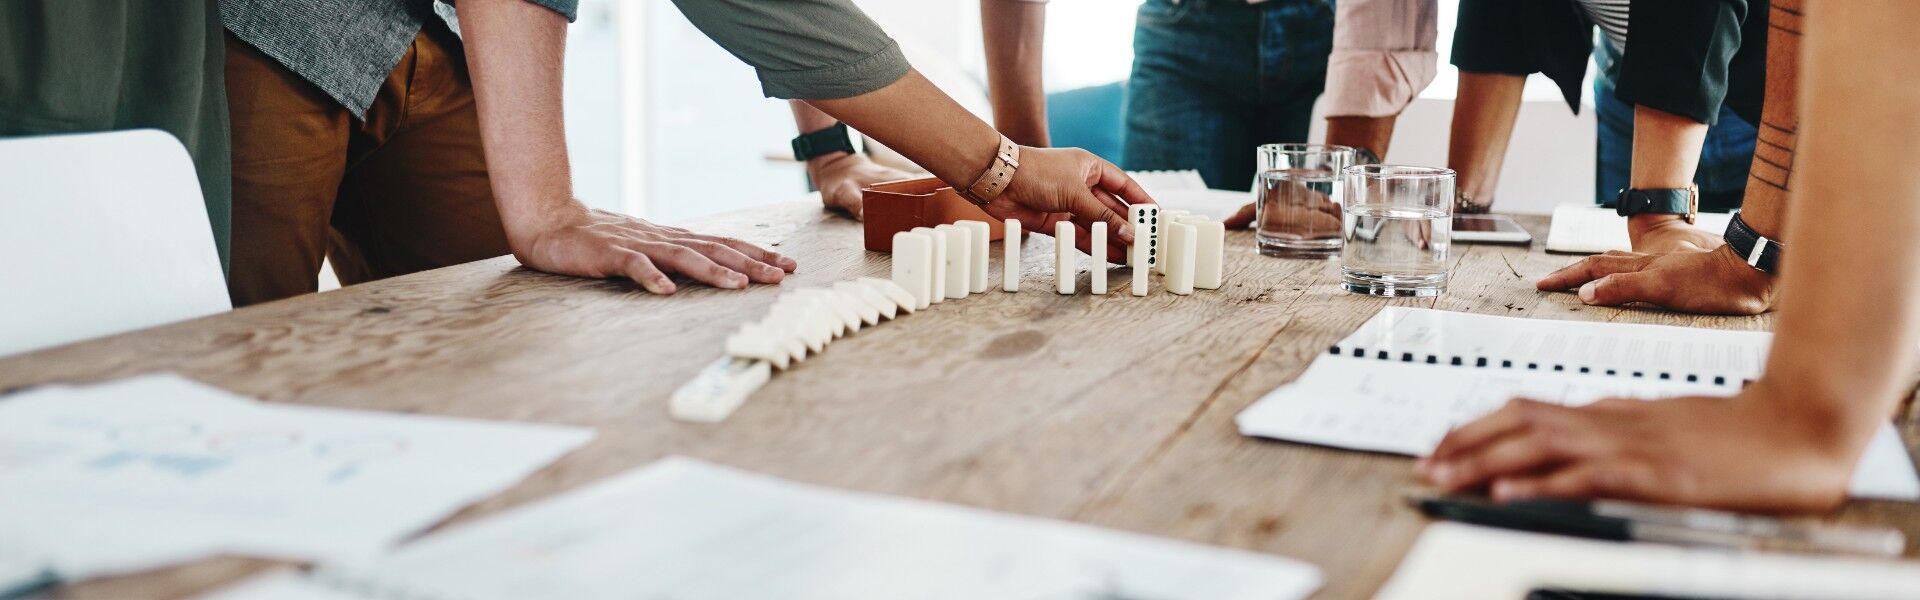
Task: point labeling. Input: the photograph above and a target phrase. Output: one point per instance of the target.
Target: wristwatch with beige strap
(997, 176)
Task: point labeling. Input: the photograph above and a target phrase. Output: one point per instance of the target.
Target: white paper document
(689, 530)
(157, 469)
(1390, 397)
(1452, 561)
(1590, 229)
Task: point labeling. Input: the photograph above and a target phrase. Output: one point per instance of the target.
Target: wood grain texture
(1112, 410)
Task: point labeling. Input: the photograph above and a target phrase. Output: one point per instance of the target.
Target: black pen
(1566, 594)
(1626, 521)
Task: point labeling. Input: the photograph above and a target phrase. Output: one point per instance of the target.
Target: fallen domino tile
(977, 279)
(870, 304)
(1209, 252)
(787, 335)
(823, 309)
(849, 318)
(754, 341)
(959, 260)
(1064, 271)
(810, 323)
(913, 264)
(937, 288)
(900, 296)
(1010, 257)
(718, 390)
(1180, 258)
(1098, 268)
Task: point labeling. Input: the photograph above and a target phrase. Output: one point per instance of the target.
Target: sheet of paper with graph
(156, 469)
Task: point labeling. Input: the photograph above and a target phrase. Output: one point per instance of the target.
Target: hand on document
(1710, 282)
(1740, 453)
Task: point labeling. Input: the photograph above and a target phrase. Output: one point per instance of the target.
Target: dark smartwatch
(1678, 201)
(823, 142)
(1761, 252)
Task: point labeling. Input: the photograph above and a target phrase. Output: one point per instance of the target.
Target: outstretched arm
(514, 52)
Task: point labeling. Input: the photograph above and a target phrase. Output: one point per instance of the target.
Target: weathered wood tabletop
(1114, 410)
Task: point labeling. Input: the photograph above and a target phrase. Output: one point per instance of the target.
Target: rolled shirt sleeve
(802, 49)
(567, 8)
(1383, 55)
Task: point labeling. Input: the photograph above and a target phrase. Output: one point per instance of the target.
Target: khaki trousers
(401, 191)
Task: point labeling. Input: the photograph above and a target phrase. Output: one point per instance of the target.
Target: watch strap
(998, 175)
(823, 142)
(1674, 201)
(1758, 250)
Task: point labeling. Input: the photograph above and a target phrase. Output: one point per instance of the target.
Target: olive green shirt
(802, 49)
(77, 66)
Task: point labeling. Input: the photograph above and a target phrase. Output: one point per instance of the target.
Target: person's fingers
(1087, 209)
(733, 259)
(1241, 218)
(641, 270)
(1572, 481)
(681, 259)
(1525, 450)
(1114, 181)
(1591, 268)
(1622, 288)
(1465, 438)
(754, 252)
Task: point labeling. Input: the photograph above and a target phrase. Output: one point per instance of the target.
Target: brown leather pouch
(895, 206)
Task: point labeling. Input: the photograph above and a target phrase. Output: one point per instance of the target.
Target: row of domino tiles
(931, 266)
(800, 323)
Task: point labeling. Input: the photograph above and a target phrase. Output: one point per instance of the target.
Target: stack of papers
(1452, 561)
(689, 530)
(158, 469)
(1185, 190)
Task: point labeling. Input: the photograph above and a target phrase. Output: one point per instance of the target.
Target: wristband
(997, 175)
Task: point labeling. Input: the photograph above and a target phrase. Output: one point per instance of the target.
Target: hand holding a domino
(1070, 184)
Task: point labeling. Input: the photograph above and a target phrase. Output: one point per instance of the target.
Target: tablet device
(1489, 229)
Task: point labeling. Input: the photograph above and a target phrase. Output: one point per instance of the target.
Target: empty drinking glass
(1399, 222)
(1296, 204)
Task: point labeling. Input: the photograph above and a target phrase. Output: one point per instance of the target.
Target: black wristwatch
(1764, 254)
(1678, 201)
(823, 142)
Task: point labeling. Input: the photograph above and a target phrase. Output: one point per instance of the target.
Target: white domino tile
(849, 318)
(1097, 268)
(1064, 271)
(718, 390)
(1209, 250)
(937, 291)
(913, 265)
(1010, 257)
(868, 301)
(959, 256)
(982, 235)
(1146, 235)
(1163, 218)
(1179, 259)
(901, 298)
(754, 341)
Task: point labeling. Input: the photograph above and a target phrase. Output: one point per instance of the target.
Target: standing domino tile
(1010, 257)
(913, 265)
(959, 256)
(1145, 235)
(1097, 269)
(1209, 251)
(1164, 218)
(937, 291)
(979, 244)
(1180, 258)
(1064, 272)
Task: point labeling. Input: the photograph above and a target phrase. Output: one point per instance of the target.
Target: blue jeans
(1214, 79)
(1725, 158)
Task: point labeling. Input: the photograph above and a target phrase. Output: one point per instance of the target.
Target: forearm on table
(1483, 116)
(938, 134)
(515, 53)
(1666, 152)
(1014, 34)
(1849, 315)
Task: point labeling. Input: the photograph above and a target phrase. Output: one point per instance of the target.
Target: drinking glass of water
(1399, 222)
(1296, 204)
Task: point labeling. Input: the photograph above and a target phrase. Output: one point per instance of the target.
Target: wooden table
(1116, 411)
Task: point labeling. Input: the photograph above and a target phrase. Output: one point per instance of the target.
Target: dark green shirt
(76, 66)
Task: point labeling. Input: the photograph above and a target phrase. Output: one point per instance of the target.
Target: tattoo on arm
(1779, 119)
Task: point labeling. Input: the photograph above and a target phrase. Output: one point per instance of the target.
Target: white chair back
(101, 233)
